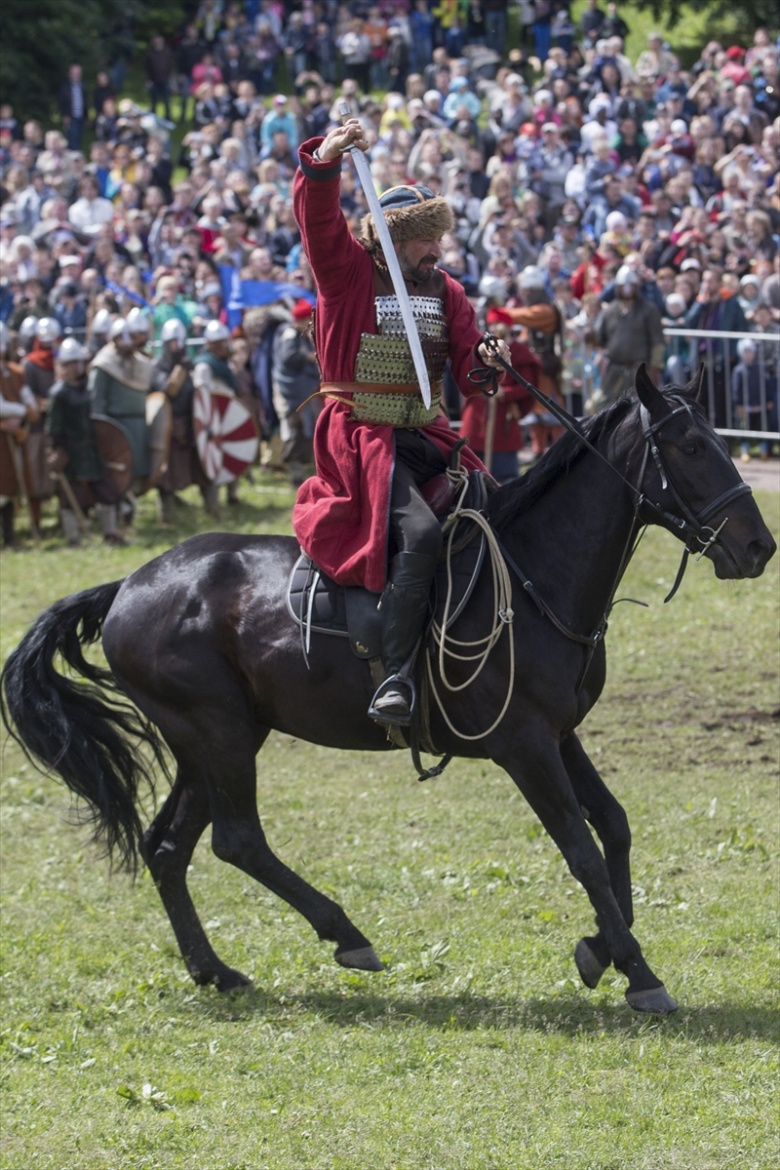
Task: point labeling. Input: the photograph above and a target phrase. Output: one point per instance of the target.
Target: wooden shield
(115, 451)
(159, 420)
(226, 435)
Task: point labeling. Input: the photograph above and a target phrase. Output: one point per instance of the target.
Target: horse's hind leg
(167, 848)
(238, 838)
(217, 753)
(608, 818)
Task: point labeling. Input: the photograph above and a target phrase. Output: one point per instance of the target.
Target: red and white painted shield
(225, 435)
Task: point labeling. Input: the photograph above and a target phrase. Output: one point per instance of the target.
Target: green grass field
(478, 1048)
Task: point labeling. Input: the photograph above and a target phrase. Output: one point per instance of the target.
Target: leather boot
(166, 508)
(404, 609)
(108, 524)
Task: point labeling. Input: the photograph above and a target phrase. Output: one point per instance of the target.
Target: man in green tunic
(75, 456)
(119, 380)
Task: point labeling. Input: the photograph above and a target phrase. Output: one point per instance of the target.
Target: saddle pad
(320, 606)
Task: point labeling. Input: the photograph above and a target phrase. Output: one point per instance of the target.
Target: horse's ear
(649, 394)
(699, 393)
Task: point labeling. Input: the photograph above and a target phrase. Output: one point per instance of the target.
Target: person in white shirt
(90, 212)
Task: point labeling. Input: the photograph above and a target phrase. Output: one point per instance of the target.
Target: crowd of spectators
(555, 148)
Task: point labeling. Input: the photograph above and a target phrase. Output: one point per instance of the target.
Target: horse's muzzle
(733, 562)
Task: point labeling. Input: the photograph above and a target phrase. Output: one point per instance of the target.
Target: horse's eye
(690, 449)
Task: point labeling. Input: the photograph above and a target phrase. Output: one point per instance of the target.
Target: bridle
(692, 528)
(696, 534)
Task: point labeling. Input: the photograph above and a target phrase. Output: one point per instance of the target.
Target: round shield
(113, 444)
(225, 435)
(159, 420)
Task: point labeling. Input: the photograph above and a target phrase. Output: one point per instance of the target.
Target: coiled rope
(477, 651)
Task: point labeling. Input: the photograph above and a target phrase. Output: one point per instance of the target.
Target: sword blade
(394, 268)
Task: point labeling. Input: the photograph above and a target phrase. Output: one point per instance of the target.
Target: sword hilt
(343, 108)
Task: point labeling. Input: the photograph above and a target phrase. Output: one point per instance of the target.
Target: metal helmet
(492, 287)
(120, 332)
(626, 275)
(48, 330)
(173, 330)
(101, 322)
(72, 350)
(27, 330)
(216, 331)
(138, 322)
(531, 277)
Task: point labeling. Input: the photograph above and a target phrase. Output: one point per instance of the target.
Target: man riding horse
(362, 517)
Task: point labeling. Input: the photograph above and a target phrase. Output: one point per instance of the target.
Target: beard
(418, 273)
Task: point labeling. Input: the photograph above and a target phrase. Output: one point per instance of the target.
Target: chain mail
(386, 357)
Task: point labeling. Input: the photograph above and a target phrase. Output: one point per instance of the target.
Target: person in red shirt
(362, 518)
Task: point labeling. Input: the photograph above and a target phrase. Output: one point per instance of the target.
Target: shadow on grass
(568, 1013)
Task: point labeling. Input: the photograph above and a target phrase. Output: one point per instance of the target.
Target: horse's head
(691, 486)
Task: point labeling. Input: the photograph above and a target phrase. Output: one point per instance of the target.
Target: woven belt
(395, 404)
(340, 389)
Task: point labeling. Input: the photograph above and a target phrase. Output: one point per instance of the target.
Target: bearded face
(418, 259)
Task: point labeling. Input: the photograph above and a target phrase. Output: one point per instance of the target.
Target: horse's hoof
(589, 966)
(224, 980)
(656, 1000)
(362, 959)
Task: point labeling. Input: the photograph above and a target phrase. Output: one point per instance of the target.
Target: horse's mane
(515, 498)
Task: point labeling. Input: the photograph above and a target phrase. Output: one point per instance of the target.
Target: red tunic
(340, 516)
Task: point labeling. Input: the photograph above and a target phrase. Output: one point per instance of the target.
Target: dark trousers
(160, 93)
(75, 133)
(413, 526)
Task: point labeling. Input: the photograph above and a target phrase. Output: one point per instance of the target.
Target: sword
(393, 266)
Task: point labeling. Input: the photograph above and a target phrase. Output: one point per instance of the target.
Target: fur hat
(411, 213)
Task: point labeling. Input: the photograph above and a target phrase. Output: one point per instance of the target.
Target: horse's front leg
(544, 781)
(608, 818)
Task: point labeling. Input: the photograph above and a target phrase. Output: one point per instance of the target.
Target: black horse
(202, 642)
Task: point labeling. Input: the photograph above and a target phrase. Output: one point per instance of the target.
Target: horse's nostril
(761, 552)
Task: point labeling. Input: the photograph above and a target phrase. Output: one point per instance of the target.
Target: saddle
(321, 607)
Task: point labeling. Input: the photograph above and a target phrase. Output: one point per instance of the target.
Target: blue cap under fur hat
(411, 213)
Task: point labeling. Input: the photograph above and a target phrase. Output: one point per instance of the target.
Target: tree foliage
(723, 16)
(40, 40)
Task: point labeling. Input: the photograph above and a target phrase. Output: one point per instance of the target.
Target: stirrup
(394, 701)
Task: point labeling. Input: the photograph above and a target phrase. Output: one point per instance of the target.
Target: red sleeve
(327, 241)
(465, 335)
(343, 270)
(528, 366)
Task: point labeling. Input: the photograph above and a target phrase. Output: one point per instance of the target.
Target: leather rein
(692, 528)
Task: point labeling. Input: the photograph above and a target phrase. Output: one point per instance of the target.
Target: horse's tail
(80, 729)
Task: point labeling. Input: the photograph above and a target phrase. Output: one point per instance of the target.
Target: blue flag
(241, 294)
